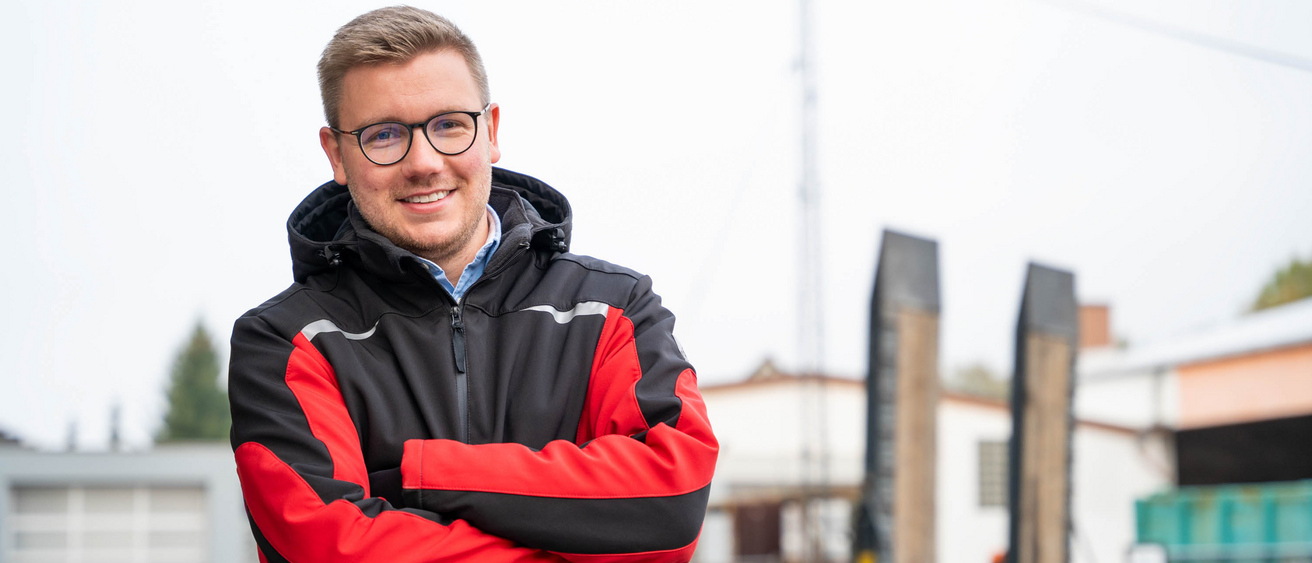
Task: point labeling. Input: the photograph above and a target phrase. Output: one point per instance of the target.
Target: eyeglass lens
(388, 143)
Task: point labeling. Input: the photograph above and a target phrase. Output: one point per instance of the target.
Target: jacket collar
(326, 229)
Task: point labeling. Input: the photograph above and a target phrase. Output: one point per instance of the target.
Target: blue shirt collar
(475, 268)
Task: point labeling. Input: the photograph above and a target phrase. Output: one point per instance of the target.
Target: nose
(423, 160)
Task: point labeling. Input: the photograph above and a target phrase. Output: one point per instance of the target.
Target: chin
(429, 244)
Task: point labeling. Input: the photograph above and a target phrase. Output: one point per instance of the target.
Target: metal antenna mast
(815, 450)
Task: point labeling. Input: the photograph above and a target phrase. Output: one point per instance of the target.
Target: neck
(454, 264)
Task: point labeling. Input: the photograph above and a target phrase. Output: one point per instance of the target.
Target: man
(444, 381)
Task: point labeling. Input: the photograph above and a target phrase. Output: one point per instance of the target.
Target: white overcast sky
(153, 150)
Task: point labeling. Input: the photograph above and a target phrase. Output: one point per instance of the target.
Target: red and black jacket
(550, 414)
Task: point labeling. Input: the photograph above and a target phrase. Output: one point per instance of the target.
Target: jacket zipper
(458, 349)
(462, 378)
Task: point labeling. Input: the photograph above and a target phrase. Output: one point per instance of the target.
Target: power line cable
(1203, 40)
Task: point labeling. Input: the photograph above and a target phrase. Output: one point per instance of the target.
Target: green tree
(1291, 283)
(978, 380)
(198, 409)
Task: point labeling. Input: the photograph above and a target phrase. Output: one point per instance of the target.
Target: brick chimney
(1095, 326)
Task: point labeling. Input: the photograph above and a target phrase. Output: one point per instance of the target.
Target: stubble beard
(438, 250)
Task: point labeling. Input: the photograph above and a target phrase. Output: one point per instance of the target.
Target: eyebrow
(390, 119)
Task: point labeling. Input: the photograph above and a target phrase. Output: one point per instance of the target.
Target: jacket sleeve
(303, 475)
(633, 485)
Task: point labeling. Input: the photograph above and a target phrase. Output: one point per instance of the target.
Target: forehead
(412, 91)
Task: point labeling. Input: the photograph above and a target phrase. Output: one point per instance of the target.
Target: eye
(452, 124)
(382, 134)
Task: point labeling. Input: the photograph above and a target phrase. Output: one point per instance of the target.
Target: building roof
(1269, 329)
(8, 440)
(767, 375)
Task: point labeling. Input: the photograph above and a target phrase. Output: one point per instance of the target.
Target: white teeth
(426, 198)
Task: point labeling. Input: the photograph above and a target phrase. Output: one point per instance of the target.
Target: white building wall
(1110, 470)
(759, 427)
(1136, 400)
(967, 532)
(761, 433)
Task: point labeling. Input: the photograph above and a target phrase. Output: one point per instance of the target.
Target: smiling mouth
(427, 198)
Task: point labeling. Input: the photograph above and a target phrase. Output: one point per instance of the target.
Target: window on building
(993, 473)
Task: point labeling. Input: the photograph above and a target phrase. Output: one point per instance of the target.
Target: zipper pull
(458, 339)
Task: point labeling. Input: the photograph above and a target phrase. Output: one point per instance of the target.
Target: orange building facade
(1256, 386)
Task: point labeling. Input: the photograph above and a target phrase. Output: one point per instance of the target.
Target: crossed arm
(632, 486)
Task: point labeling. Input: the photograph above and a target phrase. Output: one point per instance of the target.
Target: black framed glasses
(449, 133)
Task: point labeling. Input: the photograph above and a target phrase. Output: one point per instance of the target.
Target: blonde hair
(391, 35)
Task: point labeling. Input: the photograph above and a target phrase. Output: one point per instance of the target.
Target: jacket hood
(326, 228)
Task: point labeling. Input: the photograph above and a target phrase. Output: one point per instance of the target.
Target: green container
(1251, 522)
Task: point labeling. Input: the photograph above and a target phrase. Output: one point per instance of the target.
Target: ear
(493, 120)
(332, 148)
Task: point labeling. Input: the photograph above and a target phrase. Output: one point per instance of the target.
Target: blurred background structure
(1156, 148)
(173, 503)
(1230, 405)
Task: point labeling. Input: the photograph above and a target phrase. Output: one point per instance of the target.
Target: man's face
(389, 196)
